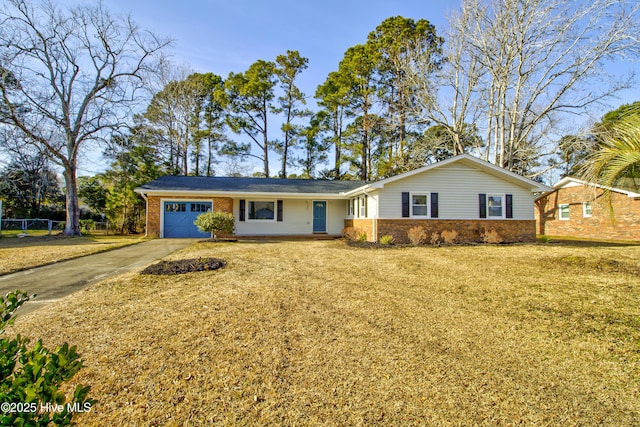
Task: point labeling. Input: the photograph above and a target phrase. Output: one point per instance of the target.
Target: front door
(319, 217)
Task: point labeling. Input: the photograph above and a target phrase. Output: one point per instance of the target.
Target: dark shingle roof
(248, 185)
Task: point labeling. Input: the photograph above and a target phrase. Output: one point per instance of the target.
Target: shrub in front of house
(491, 236)
(449, 236)
(416, 235)
(387, 240)
(350, 233)
(215, 223)
(435, 238)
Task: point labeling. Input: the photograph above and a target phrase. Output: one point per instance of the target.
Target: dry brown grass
(319, 333)
(28, 252)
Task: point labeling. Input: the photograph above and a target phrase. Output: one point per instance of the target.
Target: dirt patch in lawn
(183, 266)
(597, 264)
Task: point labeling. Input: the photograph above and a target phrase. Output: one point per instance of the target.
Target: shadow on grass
(585, 243)
(55, 240)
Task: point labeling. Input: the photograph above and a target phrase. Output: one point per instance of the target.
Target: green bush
(215, 222)
(386, 240)
(87, 225)
(30, 378)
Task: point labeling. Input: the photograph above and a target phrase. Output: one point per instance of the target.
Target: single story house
(462, 194)
(575, 208)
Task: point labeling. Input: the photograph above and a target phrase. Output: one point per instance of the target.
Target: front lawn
(320, 333)
(32, 251)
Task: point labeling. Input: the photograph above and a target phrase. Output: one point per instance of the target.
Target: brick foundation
(220, 204)
(468, 231)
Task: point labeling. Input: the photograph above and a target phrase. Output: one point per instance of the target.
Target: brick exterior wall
(220, 204)
(599, 226)
(469, 231)
(364, 225)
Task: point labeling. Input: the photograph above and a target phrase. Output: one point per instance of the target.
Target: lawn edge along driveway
(54, 281)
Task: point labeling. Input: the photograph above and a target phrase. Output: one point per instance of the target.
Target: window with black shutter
(405, 204)
(482, 199)
(434, 205)
(242, 210)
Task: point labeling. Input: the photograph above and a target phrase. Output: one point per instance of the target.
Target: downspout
(146, 215)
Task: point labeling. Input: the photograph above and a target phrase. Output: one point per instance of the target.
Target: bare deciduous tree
(513, 67)
(70, 76)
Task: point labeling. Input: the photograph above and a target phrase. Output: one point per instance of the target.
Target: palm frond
(617, 159)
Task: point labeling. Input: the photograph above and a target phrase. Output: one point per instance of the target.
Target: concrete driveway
(58, 280)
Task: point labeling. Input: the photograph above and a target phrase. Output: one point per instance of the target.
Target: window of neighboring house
(351, 208)
(586, 209)
(420, 205)
(261, 210)
(495, 206)
(363, 207)
(175, 207)
(563, 212)
(200, 207)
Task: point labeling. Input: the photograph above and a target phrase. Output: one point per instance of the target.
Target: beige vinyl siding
(372, 205)
(297, 215)
(458, 187)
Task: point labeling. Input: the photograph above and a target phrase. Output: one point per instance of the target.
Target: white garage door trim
(181, 200)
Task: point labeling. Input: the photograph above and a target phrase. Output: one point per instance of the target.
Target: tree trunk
(209, 156)
(337, 133)
(72, 226)
(265, 141)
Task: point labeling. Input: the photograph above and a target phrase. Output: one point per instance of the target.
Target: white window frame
(363, 207)
(350, 211)
(503, 201)
(586, 214)
(427, 204)
(560, 207)
(262, 220)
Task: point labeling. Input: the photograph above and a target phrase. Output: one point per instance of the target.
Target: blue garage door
(179, 217)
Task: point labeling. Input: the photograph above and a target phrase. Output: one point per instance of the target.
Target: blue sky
(228, 36)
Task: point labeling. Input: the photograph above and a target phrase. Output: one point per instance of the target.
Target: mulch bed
(183, 266)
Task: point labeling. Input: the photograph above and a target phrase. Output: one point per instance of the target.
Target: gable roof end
(533, 186)
(567, 181)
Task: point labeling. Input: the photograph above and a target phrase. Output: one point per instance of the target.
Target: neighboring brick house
(575, 208)
(462, 194)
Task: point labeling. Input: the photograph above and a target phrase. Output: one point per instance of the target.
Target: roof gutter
(244, 194)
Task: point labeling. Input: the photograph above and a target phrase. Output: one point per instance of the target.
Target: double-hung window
(586, 210)
(495, 206)
(420, 205)
(563, 212)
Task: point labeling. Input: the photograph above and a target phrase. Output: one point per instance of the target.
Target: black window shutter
(242, 209)
(405, 205)
(434, 205)
(483, 205)
(509, 206)
(280, 210)
(366, 206)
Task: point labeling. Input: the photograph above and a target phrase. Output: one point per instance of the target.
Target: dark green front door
(319, 217)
